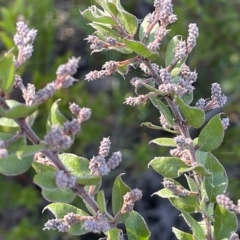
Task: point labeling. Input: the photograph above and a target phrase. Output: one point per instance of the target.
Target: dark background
(61, 33)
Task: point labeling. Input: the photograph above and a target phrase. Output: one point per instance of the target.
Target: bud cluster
(176, 189)
(64, 180)
(98, 164)
(23, 39)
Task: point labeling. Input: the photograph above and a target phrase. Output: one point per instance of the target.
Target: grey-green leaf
(195, 116)
(136, 227)
(211, 136)
(182, 235)
(225, 223)
(58, 195)
(167, 142)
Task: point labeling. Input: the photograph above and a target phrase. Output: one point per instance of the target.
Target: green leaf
(167, 142)
(198, 232)
(7, 73)
(129, 22)
(195, 116)
(152, 126)
(114, 233)
(140, 49)
(201, 170)
(58, 195)
(108, 7)
(143, 29)
(20, 111)
(29, 150)
(177, 67)
(55, 117)
(136, 227)
(162, 108)
(171, 47)
(167, 166)
(101, 201)
(211, 136)
(45, 180)
(225, 223)
(79, 167)
(12, 165)
(61, 209)
(94, 14)
(218, 181)
(39, 167)
(191, 183)
(119, 190)
(182, 235)
(188, 203)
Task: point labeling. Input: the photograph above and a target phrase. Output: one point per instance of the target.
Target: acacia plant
(64, 176)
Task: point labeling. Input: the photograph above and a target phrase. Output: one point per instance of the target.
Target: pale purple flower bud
(70, 218)
(133, 101)
(136, 82)
(3, 152)
(164, 122)
(52, 224)
(74, 108)
(111, 65)
(165, 75)
(168, 184)
(92, 225)
(192, 36)
(180, 141)
(22, 28)
(18, 40)
(225, 201)
(201, 103)
(69, 68)
(2, 144)
(234, 236)
(56, 138)
(114, 160)
(104, 147)
(31, 35)
(111, 41)
(68, 81)
(217, 96)
(98, 166)
(129, 199)
(84, 114)
(71, 127)
(64, 180)
(180, 51)
(45, 93)
(172, 18)
(18, 82)
(27, 52)
(225, 123)
(29, 94)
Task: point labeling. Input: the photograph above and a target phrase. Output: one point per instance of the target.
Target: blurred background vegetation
(61, 33)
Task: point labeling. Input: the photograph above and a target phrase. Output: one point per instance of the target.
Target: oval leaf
(167, 166)
(12, 165)
(225, 223)
(7, 73)
(171, 47)
(182, 235)
(136, 227)
(45, 180)
(195, 116)
(58, 195)
(212, 134)
(167, 142)
(140, 49)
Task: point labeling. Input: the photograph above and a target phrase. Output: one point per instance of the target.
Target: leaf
(12, 165)
(61, 209)
(163, 109)
(225, 223)
(143, 29)
(140, 49)
(94, 14)
(191, 183)
(201, 170)
(168, 142)
(182, 235)
(101, 201)
(152, 126)
(55, 117)
(167, 166)
(119, 190)
(39, 167)
(170, 52)
(7, 73)
(58, 195)
(136, 227)
(211, 136)
(45, 180)
(198, 232)
(108, 7)
(79, 167)
(195, 116)
(114, 233)
(188, 203)
(29, 150)
(218, 181)
(129, 21)
(20, 111)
